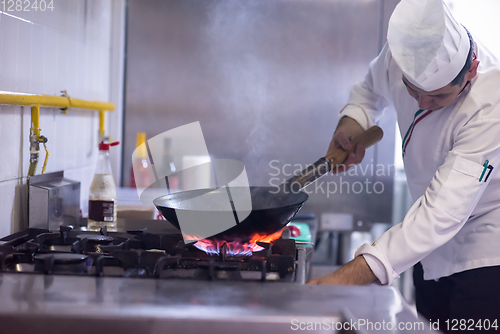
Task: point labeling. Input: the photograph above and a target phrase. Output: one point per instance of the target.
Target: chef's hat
(426, 42)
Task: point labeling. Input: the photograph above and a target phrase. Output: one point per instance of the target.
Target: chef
(445, 88)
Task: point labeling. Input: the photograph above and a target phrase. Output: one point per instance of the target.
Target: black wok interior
(271, 211)
(263, 198)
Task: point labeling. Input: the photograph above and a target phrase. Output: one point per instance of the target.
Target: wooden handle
(368, 138)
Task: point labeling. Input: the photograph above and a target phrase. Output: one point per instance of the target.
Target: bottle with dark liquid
(102, 195)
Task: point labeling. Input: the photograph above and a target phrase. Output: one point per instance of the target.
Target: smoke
(234, 34)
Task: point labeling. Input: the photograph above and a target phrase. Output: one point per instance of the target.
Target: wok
(272, 208)
(271, 211)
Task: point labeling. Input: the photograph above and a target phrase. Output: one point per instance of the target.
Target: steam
(246, 86)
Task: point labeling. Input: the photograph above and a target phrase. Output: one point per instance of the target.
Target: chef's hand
(356, 272)
(346, 129)
(330, 279)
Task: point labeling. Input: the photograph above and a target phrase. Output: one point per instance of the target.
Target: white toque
(427, 43)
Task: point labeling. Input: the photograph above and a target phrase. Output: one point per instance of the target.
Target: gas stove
(140, 253)
(144, 278)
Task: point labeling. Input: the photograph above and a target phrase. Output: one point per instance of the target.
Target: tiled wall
(69, 48)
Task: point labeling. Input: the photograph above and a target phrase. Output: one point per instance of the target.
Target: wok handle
(368, 138)
(324, 165)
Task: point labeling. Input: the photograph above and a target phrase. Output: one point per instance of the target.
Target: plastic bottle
(102, 195)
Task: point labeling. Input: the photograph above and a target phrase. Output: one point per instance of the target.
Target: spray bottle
(102, 195)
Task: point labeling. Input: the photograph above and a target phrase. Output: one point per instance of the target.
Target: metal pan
(272, 208)
(270, 211)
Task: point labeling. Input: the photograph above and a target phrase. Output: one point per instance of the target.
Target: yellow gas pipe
(63, 102)
(101, 124)
(35, 120)
(34, 139)
(41, 100)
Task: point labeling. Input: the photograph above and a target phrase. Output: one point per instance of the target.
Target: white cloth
(454, 224)
(427, 43)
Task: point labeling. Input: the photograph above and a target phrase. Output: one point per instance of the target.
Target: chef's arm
(368, 98)
(356, 272)
(364, 107)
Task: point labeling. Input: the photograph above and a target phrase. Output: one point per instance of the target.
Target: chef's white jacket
(454, 224)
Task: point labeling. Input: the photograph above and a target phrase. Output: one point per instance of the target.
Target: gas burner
(62, 258)
(216, 270)
(95, 243)
(95, 238)
(141, 254)
(61, 263)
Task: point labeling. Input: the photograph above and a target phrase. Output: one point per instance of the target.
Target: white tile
(10, 137)
(57, 141)
(78, 67)
(62, 71)
(87, 53)
(37, 57)
(82, 145)
(1, 49)
(10, 207)
(8, 36)
(61, 136)
(51, 86)
(68, 146)
(88, 145)
(70, 45)
(71, 76)
(24, 60)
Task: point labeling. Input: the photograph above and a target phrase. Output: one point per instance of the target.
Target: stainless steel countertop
(63, 304)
